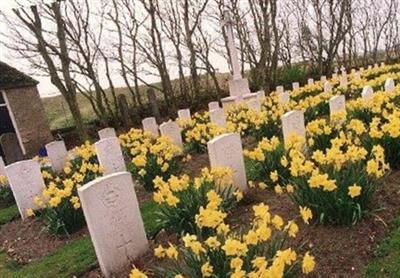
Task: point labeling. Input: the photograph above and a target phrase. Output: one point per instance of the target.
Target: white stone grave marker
(150, 124)
(323, 79)
(228, 102)
(260, 95)
(184, 114)
(58, 154)
(213, 105)
(26, 182)
(293, 123)
(107, 133)
(389, 85)
(284, 97)
(337, 104)
(218, 117)
(310, 81)
(110, 155)
(2, 167)
(280, 89)
(226, 151)
(367, 93)
(327, 87)
(114, 221)
(254, 104)
(172, 131)
(295, 86)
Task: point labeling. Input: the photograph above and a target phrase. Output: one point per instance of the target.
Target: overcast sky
(45, 86)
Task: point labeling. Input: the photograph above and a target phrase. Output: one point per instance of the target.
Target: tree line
(83, 45)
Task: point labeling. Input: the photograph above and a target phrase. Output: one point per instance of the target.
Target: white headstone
(293, 123)
(382, 64)
(218, 117)
(110, 155)
(310, 81)
(254, 104)
(58, 154)
(334, 76)
(150, 124)
(226, 151)
(26, 182)
(114, 221)
(172, 131)
(295, 86)
(227, 102)
(284, 97)
(184, 114)
(213, 105)
(337, 104)
(323, 79)
(327, 87)
(260, 95)
(369, 67)
(389, 85)
(250, 96)
(343, 81)
(361, 69)
(107, 133)
(280, 89)
(357, 75)
(2, 167)
(376, 65)
(367, 93)
(238, 87)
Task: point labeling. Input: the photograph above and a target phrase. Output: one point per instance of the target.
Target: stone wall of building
(30, 118)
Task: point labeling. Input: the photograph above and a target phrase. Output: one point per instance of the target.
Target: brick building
(21, 111)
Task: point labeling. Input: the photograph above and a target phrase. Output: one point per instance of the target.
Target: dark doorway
(6, 124)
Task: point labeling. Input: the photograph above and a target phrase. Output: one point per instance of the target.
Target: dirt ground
(340, 251)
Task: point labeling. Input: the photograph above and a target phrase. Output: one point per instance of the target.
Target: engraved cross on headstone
(125, 244)
(228, 25)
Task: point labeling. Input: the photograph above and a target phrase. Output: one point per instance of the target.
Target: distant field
(60, 117)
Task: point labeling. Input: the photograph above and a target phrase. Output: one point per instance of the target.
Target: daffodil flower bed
(181, 198)
(261, 250)
(196, 132)
(266, 123)
(150, 157)
(6, 195)
(59, 202)
(337, 184)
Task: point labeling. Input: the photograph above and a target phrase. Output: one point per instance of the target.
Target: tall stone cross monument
(239, 85)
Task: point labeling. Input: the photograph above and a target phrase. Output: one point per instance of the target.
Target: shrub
(259, 251)
(181, 198)
(150, 157)
(292, 74)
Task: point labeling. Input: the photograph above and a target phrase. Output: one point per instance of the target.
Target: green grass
(74, 258)
(8, 214)
(387, 260)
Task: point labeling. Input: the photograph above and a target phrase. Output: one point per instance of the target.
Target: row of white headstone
(109, 203)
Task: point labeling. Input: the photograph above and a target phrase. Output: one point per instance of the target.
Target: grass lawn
(74, 258)
(7, 214)
(387, 261)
